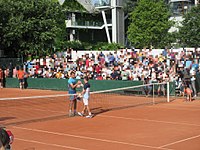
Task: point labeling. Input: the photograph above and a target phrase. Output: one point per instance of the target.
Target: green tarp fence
(198, 82)
(61, 84)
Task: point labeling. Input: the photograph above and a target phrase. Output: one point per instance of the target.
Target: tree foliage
(129, 5)
(30, 26)
(189, 32)
(149, 24)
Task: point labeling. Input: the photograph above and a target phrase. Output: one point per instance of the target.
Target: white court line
(190, 138)
(49, 144)
(89, 138)
(189, 105)
(168, 122)
(33, 97)
(173, 108)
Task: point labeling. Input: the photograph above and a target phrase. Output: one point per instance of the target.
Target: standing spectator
(187, 77)
(161, 87)
(1, 78)
(148, 88)
(188, 93)
(20, 76)
(72, 85)
(10, 73)
(193, 84)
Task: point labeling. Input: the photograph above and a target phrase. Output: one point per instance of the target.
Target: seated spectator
(124, 74)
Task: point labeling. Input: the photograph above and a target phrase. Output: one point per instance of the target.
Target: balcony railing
(85, 23)
(179, 8)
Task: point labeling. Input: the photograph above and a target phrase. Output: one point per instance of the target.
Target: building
(102, 22)
(178, 8)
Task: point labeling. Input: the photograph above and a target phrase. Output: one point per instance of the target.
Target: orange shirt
(20, 74)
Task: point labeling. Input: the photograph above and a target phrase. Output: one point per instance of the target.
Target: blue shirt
(195, 66)
(188, 63)
(71, 81)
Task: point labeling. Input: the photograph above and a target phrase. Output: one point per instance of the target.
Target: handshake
(79, 84)
(79, 96)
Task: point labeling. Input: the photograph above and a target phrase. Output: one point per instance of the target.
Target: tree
(149, 24)
(30, 26)
(189, 32)
(129, 5)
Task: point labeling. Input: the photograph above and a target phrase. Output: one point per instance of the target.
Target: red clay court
(164, 126)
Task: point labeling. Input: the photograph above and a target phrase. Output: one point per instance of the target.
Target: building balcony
(86, 24)
(179, 7)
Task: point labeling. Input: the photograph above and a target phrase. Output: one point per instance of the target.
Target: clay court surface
(164, 126)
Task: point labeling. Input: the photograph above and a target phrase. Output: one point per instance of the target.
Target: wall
(61, 84)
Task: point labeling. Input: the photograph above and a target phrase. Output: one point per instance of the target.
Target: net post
(153, 95)
(168, 92)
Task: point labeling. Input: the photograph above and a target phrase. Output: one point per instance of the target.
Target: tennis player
(20, 76)
(86, 95)
(72, 85)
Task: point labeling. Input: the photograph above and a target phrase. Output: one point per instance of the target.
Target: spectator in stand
(124, 74)
(118, 65)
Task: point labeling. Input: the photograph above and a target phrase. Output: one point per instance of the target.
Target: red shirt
(87, 63)
(1, 74)
(98, 69)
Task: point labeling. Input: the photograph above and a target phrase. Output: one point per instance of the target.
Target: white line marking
(33, 97)
(49, 144)
(173, 108)
(168, 122)
(190, 138)
(185, 104)
(89, 138)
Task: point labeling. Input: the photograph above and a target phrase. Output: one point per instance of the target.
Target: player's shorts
(85, 101)
(72, 97)
(21, 80)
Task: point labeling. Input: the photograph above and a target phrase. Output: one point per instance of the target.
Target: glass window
(179, 8)
(98, 3)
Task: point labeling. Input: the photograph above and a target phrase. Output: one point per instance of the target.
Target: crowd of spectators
(140, 65)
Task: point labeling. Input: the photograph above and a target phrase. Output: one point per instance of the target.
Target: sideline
(157, 121)
(54, 145)
(183, 140)
(89, 138)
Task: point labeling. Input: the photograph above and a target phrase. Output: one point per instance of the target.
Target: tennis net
(21, 110)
